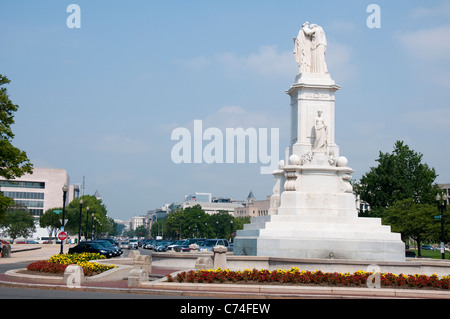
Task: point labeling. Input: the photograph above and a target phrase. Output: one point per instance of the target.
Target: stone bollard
(204, 263)
(6, 251)
(74, 276)
(220, 257)
(143, 262)
(133, 254)
(193, 248)
(136, 277)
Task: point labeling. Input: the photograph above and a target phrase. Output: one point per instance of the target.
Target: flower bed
(297, 276)
(58, 264)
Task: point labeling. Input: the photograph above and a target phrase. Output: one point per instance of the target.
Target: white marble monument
(313, 208)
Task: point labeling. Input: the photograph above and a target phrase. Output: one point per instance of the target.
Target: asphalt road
(31, 293)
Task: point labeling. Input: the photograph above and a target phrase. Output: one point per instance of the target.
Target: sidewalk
(158, 285)
(32, 252)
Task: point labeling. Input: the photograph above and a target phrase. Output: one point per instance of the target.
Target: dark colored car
(107, 244)
(112, 241)
(91, 247)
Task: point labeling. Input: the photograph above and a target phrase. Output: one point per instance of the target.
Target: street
(31, 293)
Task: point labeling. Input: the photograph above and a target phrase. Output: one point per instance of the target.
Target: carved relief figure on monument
(320, 130)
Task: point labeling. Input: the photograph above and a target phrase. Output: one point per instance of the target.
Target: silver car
(133, 244)
(209, 244)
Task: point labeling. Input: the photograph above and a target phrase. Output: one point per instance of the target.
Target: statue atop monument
(310, 49)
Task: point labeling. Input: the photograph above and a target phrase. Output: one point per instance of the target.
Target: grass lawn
(435, 254)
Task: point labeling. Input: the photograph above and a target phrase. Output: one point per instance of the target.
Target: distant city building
(211, 205)
(253, 207)
(198, 197)
(39, 191)
(137, 221)
(126, 224)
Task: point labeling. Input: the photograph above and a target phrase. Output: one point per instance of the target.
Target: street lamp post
(79, 221)
(231, 228)
(92, 228)
(87, 223)
(441, 201)
(64, 189)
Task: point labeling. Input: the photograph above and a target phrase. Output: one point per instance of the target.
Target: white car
(133, 244)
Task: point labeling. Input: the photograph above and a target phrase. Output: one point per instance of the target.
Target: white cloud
(442, 10)
(339, 62)
(236, 116)
(427, 44)
(268, 61)
(117, 143)
(430, 120)
(430, 50)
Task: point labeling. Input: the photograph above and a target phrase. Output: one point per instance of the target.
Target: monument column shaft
(306, 101)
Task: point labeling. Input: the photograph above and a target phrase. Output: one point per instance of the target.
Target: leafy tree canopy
(13, 161)
(18, 223)
(399, 175)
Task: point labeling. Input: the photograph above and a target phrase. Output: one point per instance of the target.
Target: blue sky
(101, 101)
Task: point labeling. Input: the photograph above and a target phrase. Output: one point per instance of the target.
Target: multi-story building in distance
(39, 192)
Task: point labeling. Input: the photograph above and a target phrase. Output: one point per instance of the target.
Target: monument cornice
(294, 87)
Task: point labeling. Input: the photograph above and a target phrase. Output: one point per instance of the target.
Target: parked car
(410, 253)
(152, 244)
(105, 243)
(147, 244)
(91, 247)
(124, 245)
(162, 246)
(176, 245)
(112, 241)
(209, 244)
(185, 246)
(427, 247)
(133, 244)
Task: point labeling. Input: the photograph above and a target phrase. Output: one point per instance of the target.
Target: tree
(50, 220)
(96, 209)
(193, 222)
(413, 220)
(18, 223)
(158, 228)
(223, 224)
(141, 231)
(5, 203)
(13, 162)
(196, 223)
(399, 175)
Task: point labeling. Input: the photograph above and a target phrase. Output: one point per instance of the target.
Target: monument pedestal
(313, 209)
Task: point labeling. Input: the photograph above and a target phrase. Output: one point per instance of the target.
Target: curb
(240, 291)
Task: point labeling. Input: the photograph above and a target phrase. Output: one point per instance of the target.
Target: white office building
(39, 192)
